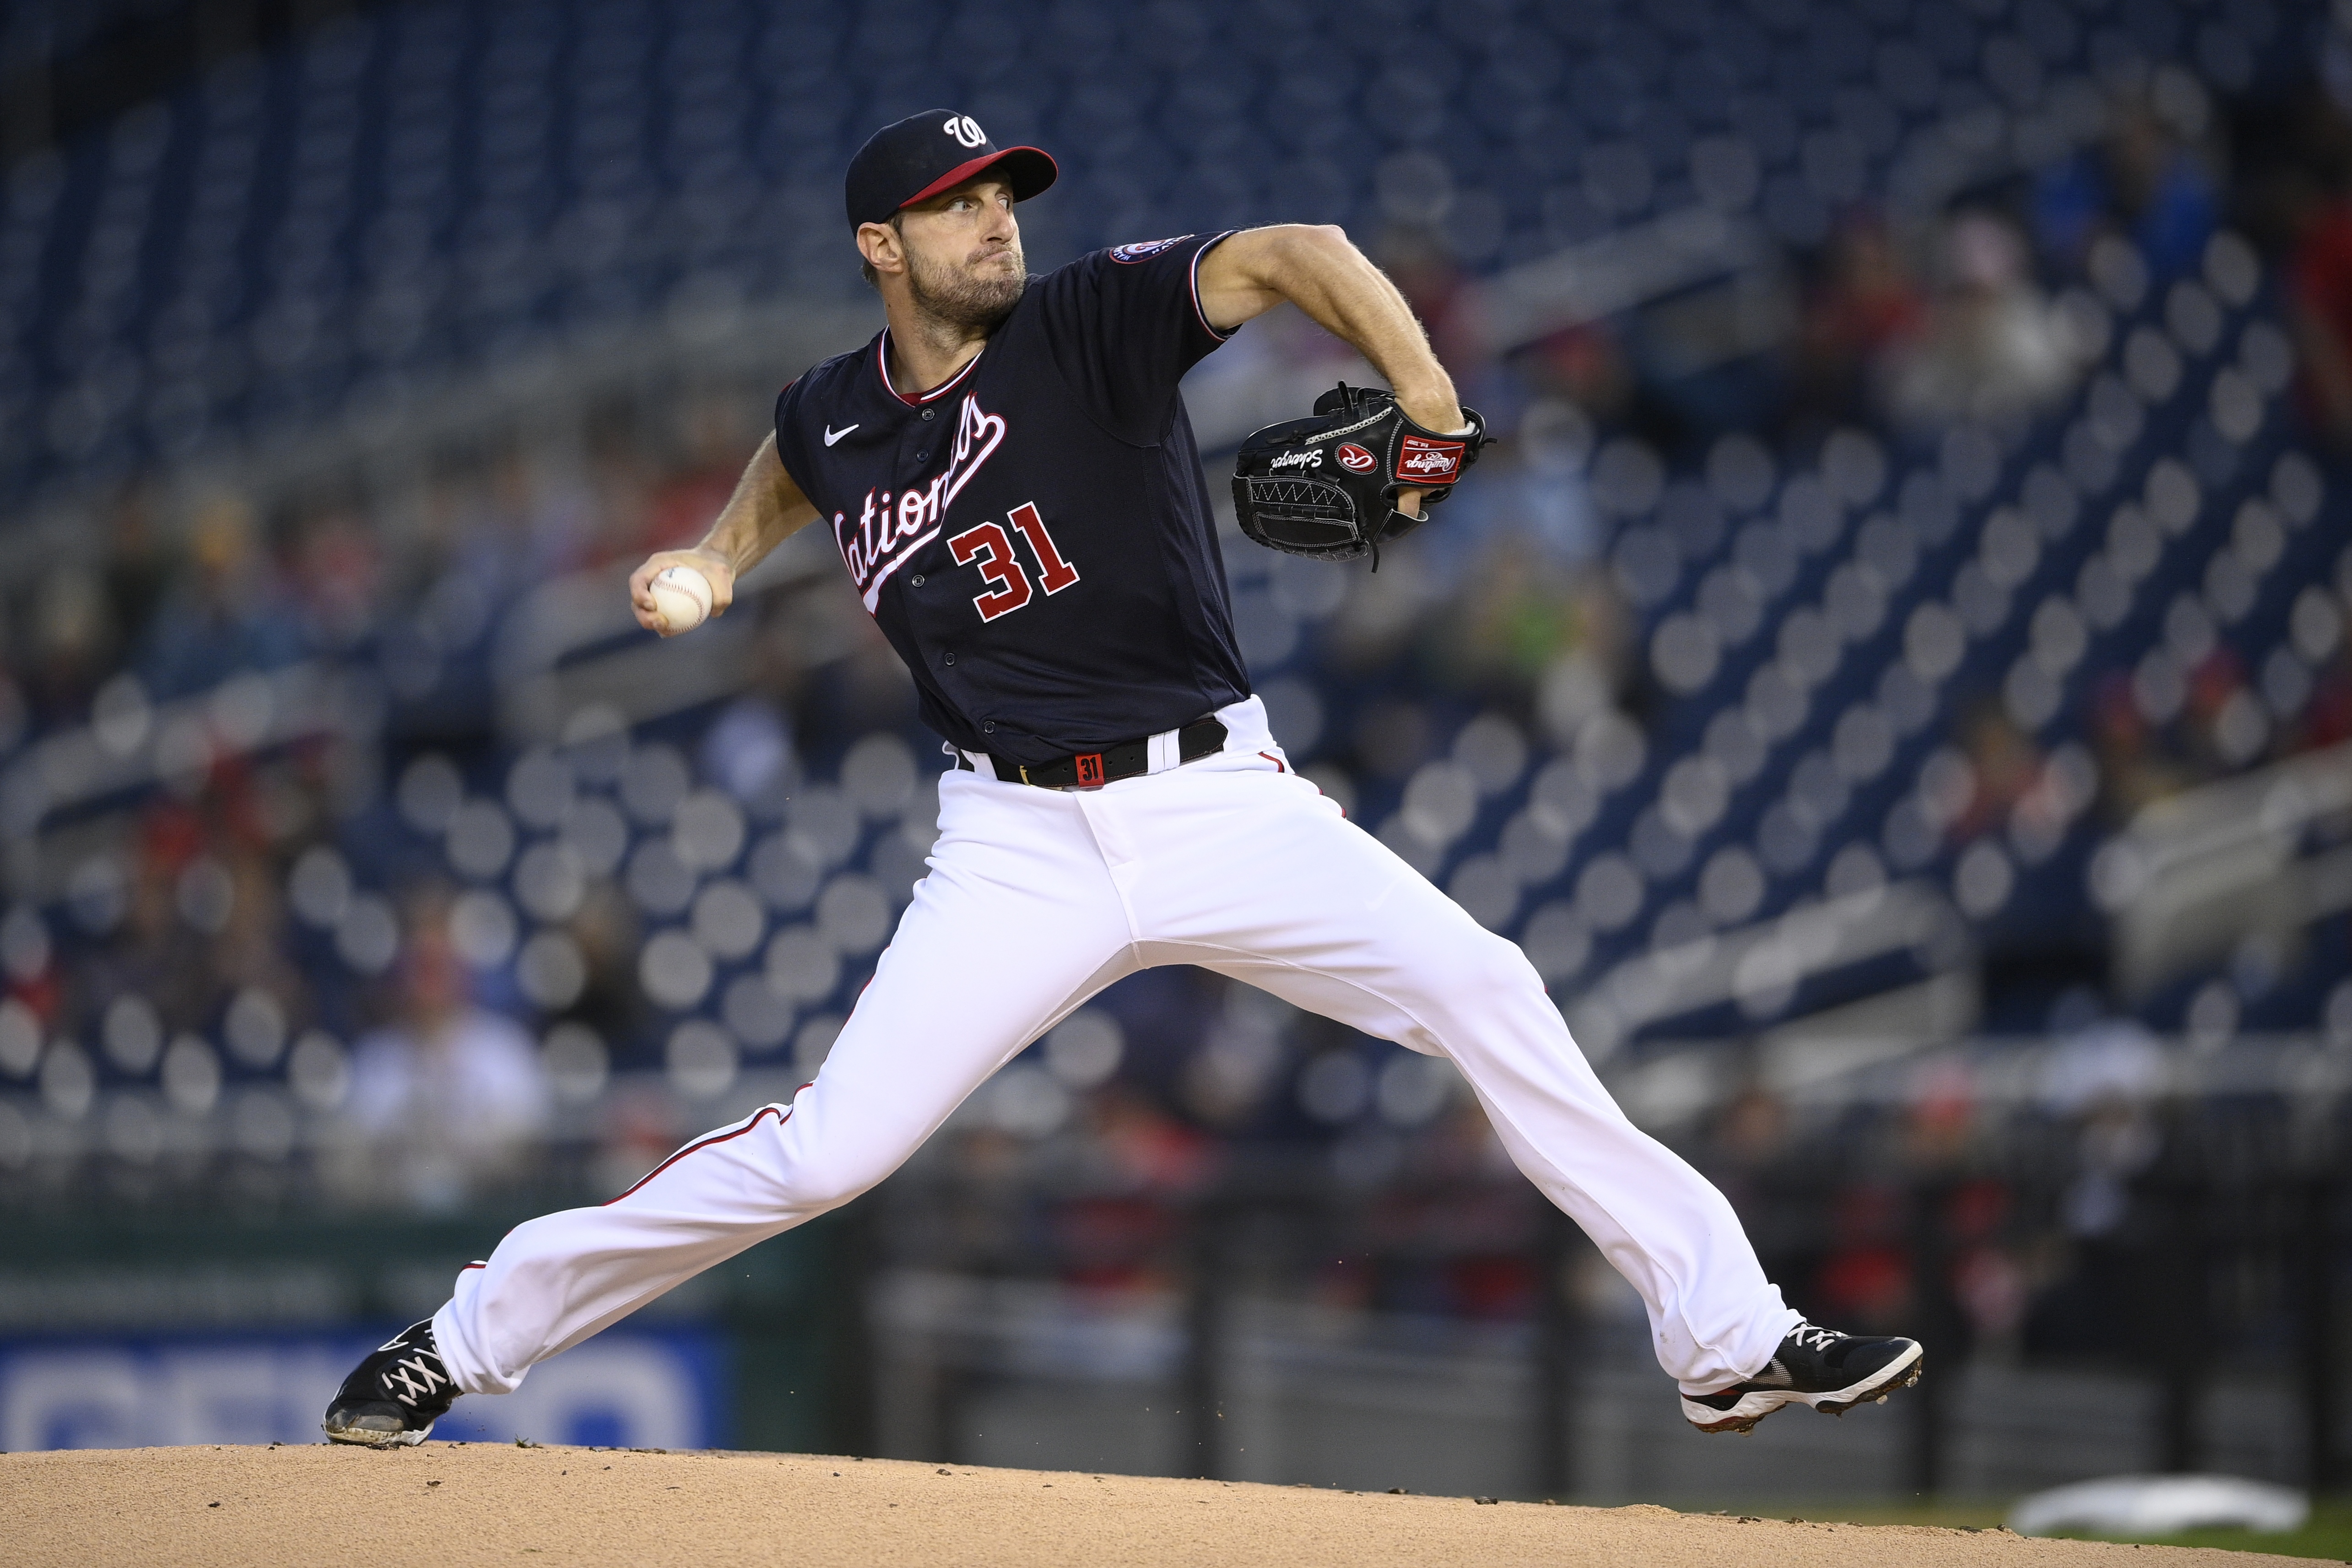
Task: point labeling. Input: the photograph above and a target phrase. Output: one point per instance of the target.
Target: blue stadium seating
(427, 190)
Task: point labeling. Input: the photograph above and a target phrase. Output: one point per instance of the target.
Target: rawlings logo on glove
(1430, 462)
(1287, 499)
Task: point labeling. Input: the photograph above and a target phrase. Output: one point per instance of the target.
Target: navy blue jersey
(1034, 536)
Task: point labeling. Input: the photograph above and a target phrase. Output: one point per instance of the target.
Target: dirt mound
(456, 1503)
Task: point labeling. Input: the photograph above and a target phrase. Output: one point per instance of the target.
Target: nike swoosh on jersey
(831, 435)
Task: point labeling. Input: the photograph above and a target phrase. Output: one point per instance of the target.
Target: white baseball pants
(1038, 898)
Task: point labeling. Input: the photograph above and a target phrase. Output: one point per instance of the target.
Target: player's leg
(1015, 925)
(1253, 874)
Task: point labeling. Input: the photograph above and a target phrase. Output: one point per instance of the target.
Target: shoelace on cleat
(1816, 1339)
(408, 1380)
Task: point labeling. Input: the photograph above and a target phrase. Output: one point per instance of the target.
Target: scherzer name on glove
(1326, 487)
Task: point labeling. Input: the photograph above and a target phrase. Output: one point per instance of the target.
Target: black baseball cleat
(392, 1398)
(1820, 1367)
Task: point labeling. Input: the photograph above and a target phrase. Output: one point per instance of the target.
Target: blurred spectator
(1426, 274)
(606, 935)
(2328, 717)
(449, 1095)
(500, 550)
(2319, 302)
(1866, 1282)
(201, 915)
(1516, 612)
(1550, 499)
(2004, 765)
(1755, 1155)
(1986, 1279)
(621, 479)
(2144, 182)
(1865, 311)
(642, 1127)
(748, 752)
(74, 643)
(1941, 1118)
(1587, 366)
(336, 564)
(249, 948)
(2218, 708)
(227, 615)
(548, 523)
(447, 511)
(2134, 770)
(154, 952)
(1993, 348)
(1127, 1165)
(2104, 1079)
(1750, 1132)
(138, 566)
(1141, 1148)
(683, 506)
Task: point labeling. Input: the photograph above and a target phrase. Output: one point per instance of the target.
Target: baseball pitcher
(1011, 480)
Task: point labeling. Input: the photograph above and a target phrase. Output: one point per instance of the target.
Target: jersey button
(923, 457)
(950, 660)
(917, 579)
(988, 726)
(929, 412)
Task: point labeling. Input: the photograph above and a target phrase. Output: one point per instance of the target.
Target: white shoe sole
(1758, 1403)
(368, 1439)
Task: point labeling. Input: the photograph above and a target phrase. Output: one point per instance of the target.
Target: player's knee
(828, 1178)
(1482, 963)
(1468, 985)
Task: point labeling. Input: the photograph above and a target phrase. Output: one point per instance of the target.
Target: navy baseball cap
(923, 154)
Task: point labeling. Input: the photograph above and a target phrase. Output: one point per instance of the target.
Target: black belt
(1120, 759)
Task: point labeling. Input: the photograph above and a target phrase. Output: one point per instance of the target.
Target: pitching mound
(454, 1504)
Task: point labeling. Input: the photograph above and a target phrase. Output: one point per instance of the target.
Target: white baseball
(681, 597)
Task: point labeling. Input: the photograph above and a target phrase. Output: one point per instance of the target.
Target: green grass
(2328, 1534)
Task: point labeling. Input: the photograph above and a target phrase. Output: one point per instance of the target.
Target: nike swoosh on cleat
(831, 435)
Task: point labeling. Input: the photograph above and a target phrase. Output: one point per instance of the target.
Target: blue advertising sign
(659, 1388)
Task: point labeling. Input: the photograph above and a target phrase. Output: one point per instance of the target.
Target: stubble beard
(957, 299)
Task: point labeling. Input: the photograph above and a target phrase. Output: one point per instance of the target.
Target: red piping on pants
(707, 1142)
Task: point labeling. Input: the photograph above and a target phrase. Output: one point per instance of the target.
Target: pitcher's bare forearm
(766, 509)
(1318, 269)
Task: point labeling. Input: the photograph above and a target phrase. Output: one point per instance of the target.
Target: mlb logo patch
(1429, 462)
(1145, 247)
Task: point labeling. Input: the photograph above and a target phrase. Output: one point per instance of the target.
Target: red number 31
(1008, 580)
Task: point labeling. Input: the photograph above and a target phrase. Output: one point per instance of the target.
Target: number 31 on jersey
(1008, 580)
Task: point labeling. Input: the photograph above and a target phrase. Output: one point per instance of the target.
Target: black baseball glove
(1326, 487)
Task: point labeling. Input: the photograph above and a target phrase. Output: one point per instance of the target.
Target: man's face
(961, 253)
